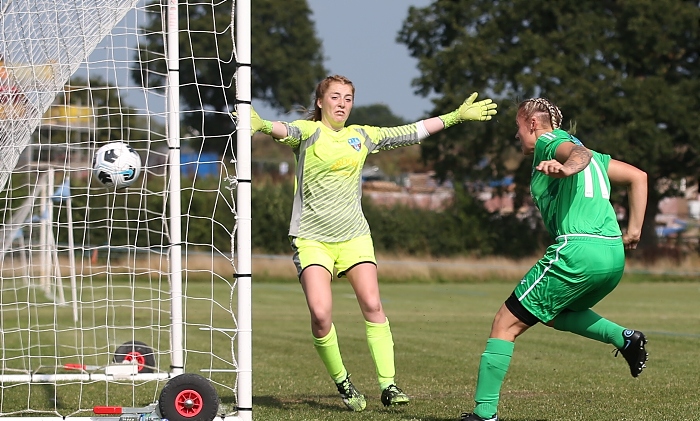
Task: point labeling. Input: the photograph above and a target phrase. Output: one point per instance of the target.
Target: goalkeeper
(328, 230)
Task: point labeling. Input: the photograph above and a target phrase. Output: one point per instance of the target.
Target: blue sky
(359, 42)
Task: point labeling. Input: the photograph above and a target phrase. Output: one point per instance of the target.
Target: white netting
(91, 292)
(44, 42)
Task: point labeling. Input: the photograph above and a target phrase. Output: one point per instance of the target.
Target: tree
(287, 59)
(626, 74)
(374, 115)
(113, 119)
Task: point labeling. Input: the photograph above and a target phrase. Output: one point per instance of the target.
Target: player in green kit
(571, 187)
(329, 232)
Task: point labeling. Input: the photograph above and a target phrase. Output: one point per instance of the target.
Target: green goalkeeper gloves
(257, 124)
(469, 110)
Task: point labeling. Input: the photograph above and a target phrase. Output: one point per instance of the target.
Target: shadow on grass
(306, 401)
(412, 416)
(309, 403)
(409, 416)
(524, 419)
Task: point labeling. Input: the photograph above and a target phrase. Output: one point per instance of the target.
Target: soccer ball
(116, 165)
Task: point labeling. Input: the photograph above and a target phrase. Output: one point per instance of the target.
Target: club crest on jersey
(355, 143)
(575, 140)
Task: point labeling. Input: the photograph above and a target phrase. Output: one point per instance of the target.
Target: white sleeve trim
(422, 131)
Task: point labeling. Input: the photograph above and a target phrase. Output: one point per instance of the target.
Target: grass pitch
(440, 331)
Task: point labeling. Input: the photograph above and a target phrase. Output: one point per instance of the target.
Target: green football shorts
(575, 273)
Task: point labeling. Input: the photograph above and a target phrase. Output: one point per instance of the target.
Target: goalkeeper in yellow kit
(328, 230)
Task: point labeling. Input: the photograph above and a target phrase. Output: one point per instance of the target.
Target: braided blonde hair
(538, 107)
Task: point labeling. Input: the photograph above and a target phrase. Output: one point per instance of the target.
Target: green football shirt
(579, 204)
(328, 191)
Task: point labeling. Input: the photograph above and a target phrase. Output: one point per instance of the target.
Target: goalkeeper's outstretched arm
(483, 110)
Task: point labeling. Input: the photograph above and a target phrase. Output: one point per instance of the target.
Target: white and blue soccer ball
(116, 165)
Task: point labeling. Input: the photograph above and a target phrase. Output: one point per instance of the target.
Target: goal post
(244, 218)
(116, 303)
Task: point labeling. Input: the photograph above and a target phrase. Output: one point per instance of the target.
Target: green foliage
(208, 217)
(134, 218)
(114, 120)
(288, 60)
(272, 209)
(374, 115)
(212, 64)
(101, 217)
(401, 229)
(464, 228)
(284, 39)
(517, 238)
(627, 73)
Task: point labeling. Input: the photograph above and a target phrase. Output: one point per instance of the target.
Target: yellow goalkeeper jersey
(328, 191)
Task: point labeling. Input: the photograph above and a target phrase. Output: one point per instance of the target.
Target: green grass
(439, 332)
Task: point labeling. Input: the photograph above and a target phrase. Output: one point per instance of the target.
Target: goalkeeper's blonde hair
(542, 109)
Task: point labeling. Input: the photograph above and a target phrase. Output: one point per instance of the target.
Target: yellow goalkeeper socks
(328, 350)
(381, 346)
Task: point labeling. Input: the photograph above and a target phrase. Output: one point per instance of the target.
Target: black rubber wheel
(136, 351)
(188, 397)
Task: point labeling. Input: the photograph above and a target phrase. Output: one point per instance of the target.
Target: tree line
(134, 219)
(625, 74)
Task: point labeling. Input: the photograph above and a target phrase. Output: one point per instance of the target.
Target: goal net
(131, 302)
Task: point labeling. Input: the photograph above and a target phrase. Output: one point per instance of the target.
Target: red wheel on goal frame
(188, 397)
(138, 352)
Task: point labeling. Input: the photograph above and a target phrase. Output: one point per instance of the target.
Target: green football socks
(492, 370)
(328, 350)
(381, 346)
(588, 324)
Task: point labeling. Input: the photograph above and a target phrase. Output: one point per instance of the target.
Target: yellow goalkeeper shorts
(340, 256)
